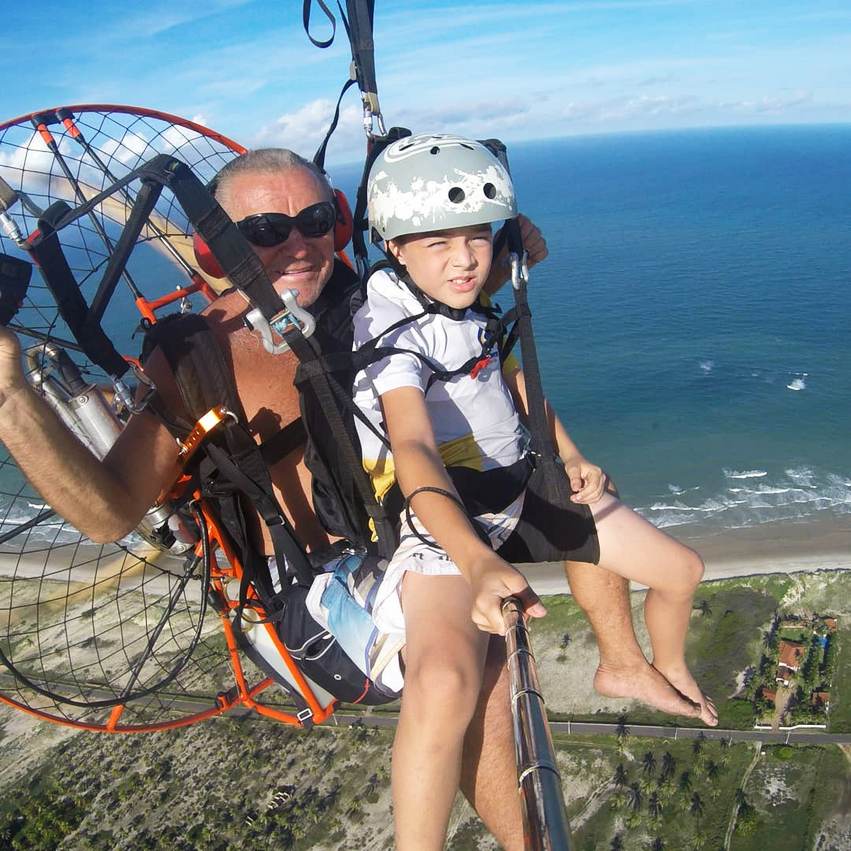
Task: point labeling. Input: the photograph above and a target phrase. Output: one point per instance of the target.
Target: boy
(458, 450)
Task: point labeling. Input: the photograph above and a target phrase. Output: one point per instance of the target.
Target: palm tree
(371, 785)
(654, 805)
(632, 819)
(697, 747)
(704, 608)
(635, 797)
(696, 806)
(565, 640)
(657, 845)
(669, 766)
(620, 778)
(712, 770)
(649, 762)
(696, 841)
(647, 784)
(622, 730)
(616, 843)
(740, 798)
(685, 781)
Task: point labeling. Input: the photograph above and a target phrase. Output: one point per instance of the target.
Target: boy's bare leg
(444, 658)
(631, 547)
(623, 670)
(489, 768)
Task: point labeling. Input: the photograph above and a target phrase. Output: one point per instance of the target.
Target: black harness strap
(234, 463)
(361, 223)
(47, 252)
(306, 21)
(357, 489)
(556, 485)
(291, 437)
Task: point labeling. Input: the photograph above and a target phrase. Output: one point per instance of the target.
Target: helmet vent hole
(435, 150)
(456, 195)
(489, 190)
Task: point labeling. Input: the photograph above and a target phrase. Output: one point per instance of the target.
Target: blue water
(692, 318)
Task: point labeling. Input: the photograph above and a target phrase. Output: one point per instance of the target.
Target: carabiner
(292, 317)
(519, 269)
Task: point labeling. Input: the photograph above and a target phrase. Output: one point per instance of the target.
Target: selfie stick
(545, 825)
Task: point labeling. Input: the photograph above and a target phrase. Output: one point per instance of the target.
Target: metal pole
(545, 825)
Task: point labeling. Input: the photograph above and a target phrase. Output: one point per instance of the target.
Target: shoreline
(780, 547)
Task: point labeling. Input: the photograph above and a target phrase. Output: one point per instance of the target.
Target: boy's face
(450, 266)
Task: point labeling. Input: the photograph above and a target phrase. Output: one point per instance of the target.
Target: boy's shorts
(545, 533)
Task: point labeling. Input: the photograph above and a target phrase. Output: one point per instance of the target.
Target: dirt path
(732, 826)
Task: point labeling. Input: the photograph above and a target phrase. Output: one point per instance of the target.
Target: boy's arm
(418, 464)
(587, 480)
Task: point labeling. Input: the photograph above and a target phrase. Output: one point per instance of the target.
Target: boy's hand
(587, 480)
(492, 581)
(533, 242)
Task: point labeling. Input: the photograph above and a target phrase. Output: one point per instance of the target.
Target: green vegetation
(784, 795)
(226, 785)
(695, 791)
(239, 783)
(686, 794)
(840, 694)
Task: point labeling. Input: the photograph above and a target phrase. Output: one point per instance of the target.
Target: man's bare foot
(684, 683)
(643, 682)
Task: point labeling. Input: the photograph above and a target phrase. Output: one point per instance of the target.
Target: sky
(515, 70)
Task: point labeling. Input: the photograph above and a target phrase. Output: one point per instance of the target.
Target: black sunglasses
(266, 230)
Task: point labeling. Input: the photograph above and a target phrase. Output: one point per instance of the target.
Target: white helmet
(436, 182)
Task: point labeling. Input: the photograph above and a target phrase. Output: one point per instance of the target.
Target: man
(106, 500)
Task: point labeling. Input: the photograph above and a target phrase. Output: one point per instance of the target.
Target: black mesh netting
(83, 626)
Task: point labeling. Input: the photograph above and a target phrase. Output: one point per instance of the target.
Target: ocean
(692, 318)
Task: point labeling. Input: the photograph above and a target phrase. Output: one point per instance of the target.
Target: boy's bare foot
(684, 683)
(643, 682)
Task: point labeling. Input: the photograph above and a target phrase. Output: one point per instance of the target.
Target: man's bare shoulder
(263, 381)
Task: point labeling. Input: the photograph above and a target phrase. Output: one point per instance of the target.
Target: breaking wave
(753, 497)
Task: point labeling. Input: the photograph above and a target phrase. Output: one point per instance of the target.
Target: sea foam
(758, 497)
(747, 474)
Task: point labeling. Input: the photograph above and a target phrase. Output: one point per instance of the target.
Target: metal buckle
(123, 394)
(519, 269)
(304, 715)
(293, 316)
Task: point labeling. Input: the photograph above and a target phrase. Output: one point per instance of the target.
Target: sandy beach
(814, 544)
(780, 547)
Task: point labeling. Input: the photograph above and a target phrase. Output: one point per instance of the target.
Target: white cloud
(628, 108)
(304, 130)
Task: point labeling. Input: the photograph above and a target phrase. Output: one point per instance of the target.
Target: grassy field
(840, 695)
(794, 792)
(724, 643)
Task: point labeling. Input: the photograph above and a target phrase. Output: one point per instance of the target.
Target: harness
(230, 469)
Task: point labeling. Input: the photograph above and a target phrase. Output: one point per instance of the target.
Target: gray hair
(265, 161)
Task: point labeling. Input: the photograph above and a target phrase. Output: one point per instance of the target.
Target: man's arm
(418, 464)
(104, 500)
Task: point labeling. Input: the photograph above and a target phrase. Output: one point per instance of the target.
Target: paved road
(584, 727)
